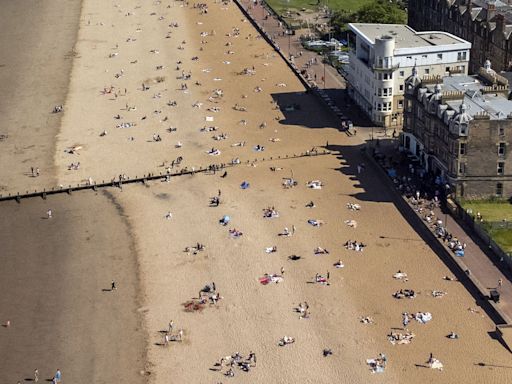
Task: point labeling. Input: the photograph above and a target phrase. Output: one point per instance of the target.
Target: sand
(250, 316)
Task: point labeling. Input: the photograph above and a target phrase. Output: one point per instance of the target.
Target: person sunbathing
(321, 251)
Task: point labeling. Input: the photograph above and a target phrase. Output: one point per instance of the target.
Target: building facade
(460, 128)
(486, 24)
(382, 57)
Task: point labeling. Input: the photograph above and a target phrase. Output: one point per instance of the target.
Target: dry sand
(251, 316)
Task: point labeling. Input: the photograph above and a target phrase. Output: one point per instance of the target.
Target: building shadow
(297, 108)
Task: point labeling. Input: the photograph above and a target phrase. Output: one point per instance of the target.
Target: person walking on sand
(36, 375)
(58, 376)
(171, 325)
(113, 286)
(500, 282)
(49, 214)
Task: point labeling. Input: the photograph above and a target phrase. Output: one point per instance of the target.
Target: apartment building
(486, 24)
(382, 56)
(460, 128)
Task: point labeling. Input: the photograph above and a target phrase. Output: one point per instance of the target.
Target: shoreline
(56, 276)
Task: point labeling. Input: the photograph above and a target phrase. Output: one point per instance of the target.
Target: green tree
(382, 12)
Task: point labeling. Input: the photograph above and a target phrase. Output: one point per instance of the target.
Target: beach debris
(57, 109)
(73, 150)
(236, 360)
(235, 233)
(322, 280)
(401, 276)
(270, 212)
(268, 278)
(401, 338)
(316, 222)
(289, 182)
(423, 317)
(378, 364)
(224, 220)
(434, 363)
(438, 293)
(404, 294)
(353, 206)
(320, 251)
(285, 340)
(314, 184)
(303, 310)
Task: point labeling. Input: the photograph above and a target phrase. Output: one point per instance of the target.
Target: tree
(378, 11)
(382, 12)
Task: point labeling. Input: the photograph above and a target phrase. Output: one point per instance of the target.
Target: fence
(481, 229)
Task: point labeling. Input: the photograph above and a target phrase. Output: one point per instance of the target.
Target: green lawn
(490, 211)
(280, 6)
(503, 237)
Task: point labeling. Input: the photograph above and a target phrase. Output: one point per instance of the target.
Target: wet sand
(36, 41)
(54, 280)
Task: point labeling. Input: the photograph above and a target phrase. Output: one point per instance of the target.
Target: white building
(383, 56)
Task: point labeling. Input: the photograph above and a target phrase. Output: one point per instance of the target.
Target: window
(463, 129)
(401, 87)
(462, 168)
(501, 131)
(501, 168)
(402, 73)
(400, 104)
(501, 149)
(499, 189)
(424, 56)
(447, 69)
(439, 55)
(427, 71)
(462, 148)
(461, 56)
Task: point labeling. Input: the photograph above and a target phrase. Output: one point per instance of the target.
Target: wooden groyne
(150, 176)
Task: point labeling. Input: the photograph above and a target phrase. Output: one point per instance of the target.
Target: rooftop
(495, 104)
(405, 36)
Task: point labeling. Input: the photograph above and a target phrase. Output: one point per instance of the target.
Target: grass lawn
(280, 6)
(503, 237)
(490, 211)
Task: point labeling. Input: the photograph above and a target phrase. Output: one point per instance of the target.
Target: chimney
(491, 9)
(500, 22)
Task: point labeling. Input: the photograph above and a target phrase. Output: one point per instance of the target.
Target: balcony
(385, 68)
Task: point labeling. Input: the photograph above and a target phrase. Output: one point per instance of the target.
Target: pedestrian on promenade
(500, 282)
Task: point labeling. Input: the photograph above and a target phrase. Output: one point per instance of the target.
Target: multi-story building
(486, 24)
(382, 57)
(460, 128)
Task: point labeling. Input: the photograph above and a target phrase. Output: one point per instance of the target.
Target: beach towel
(244, 185)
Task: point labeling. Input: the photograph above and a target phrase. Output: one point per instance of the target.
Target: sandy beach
(155, 81)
